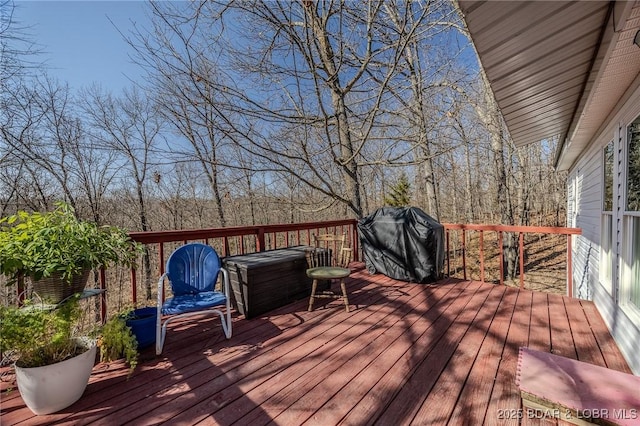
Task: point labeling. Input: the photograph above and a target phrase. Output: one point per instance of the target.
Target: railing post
(161, 263)
(161, 257)
(501, 255)
(21, 295)
(569, 268)
(103, 296)
(521, 249)
(448, 254)
(356, 242)
(260, 241)
(225, 249)
(464, 254)
(134, 287)
(482, 256)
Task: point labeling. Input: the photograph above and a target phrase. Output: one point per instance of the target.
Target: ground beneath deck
(405, 354)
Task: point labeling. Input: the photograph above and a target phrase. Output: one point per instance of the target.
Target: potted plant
(116, 340)
(52, 362)
(53, 353)
(57, 250)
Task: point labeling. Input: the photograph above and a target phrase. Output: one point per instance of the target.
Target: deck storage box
(264, 281)
(403, 243)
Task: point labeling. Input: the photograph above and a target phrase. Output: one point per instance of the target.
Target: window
(633, 167)
(606, 229)
(607, 202)
(632, 260)
(631, 235)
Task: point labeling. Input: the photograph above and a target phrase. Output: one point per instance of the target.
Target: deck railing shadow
(299, 365)
(434, 334)
(406, 354)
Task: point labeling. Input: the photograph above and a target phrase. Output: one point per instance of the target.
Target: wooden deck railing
(244, 239)
(248, 239)
(500, 230)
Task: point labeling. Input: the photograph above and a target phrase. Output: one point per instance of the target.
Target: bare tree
(301, 87)
(18, 53)
(128, 125)
(20, 118)
(175, 191)
(47, 141)
(177, 52)
(421, 66)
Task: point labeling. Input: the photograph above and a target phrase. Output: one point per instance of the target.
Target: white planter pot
(53, 387)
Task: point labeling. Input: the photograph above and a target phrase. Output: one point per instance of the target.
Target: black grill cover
(403, 243)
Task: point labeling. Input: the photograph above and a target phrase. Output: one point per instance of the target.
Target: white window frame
(625, 303)
(626, 243)
(607, 233)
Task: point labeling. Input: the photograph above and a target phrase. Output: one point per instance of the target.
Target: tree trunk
(493, 122)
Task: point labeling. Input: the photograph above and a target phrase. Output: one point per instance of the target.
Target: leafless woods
(270, 112)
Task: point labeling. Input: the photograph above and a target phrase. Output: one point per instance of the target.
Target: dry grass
(545, 261)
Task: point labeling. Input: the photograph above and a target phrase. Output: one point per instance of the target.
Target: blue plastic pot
(143, 325)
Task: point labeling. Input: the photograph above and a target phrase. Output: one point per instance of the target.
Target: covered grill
(403, 243)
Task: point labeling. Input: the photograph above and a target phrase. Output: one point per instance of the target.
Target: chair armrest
(225, 282)
(160, 292)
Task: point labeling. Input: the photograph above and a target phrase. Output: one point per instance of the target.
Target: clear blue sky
(79, 42)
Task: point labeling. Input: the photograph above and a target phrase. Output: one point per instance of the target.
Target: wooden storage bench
(266, 280)
(576, 392)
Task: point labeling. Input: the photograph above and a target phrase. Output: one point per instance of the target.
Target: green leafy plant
(39, 245)
(38, 336)
(117, 341)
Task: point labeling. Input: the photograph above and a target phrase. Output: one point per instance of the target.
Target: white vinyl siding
(587, 178)
(613, 286)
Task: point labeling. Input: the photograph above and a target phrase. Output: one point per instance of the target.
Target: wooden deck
(405, 354)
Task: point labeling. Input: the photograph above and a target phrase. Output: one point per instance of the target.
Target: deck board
(476, 394)
(394, 402)
(539, 339)
(586, 345)
(369, 346)
(539, 336)
(438, 406)
(561, 337)
(505, 397)
(396, 365)
(332, 413)
(405, 354)
(429, 365)
(603, 338)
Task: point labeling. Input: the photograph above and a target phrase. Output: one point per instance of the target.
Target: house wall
(585, 199)
(586, 247)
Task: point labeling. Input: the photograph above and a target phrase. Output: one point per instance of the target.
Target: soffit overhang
(557, 68)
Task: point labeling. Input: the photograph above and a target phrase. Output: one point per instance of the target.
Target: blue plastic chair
(193, 271)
